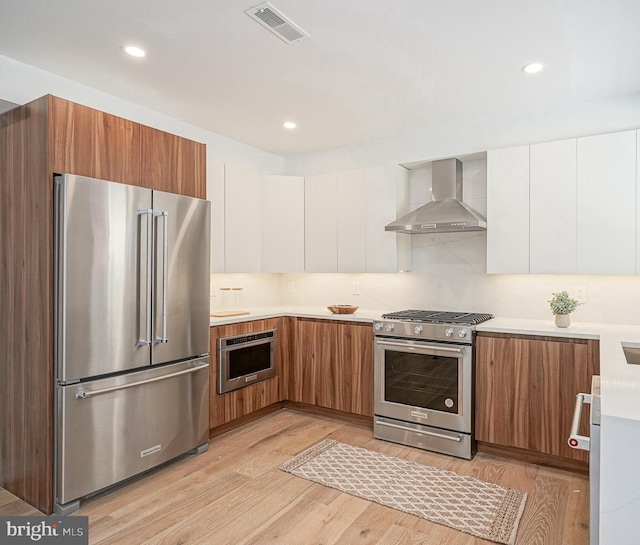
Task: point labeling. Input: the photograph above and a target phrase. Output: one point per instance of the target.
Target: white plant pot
(563, 320)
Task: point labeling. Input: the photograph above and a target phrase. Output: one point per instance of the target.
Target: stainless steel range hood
(446, 213)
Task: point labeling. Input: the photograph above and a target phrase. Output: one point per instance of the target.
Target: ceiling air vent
(274, 21)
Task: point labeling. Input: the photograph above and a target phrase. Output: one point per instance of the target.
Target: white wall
(22, 83)
(563, 121)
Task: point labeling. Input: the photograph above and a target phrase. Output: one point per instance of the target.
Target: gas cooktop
(438, 317)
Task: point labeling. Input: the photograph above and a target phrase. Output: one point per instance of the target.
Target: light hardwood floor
(234, 494)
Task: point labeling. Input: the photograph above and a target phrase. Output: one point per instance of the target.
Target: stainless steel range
(423, 382)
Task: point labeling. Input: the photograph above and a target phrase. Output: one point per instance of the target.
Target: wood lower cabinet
(233, 405)
(332, 365)
(51, 135)
(321, 363)
(526, 388)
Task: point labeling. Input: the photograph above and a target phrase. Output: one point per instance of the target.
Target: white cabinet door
(387, 198)
(243, 220)
(215, 195)
(321, 227)
(282, 224)
(508, 210)
(552, 207)
(606, 204)
(351, 221)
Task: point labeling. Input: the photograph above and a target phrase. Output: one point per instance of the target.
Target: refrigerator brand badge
(151, 450)
(44, 530)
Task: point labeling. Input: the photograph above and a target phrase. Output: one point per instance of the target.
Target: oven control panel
(413, 330)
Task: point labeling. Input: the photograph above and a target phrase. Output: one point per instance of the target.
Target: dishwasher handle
(575, 440)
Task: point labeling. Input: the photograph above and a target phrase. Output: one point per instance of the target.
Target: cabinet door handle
(576, 441)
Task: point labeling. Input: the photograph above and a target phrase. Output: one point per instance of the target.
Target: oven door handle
(413, 346)
(457, 439)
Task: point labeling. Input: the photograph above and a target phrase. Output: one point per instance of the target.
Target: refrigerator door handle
(84, 394)
(144, 286)
(162, 337)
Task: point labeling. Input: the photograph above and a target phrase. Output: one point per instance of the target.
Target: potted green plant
(561, 306)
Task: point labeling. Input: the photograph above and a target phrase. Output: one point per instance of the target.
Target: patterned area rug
(468, 504)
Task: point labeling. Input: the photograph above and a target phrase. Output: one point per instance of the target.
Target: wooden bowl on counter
(342, 309)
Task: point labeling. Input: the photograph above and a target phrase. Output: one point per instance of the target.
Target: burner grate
(438, 317)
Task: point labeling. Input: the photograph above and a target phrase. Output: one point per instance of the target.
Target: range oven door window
(425, 382)
(422, 380)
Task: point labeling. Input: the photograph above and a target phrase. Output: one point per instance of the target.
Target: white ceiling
(371, 69)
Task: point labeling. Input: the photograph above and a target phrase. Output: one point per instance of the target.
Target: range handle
(580, 442)
(418, 346)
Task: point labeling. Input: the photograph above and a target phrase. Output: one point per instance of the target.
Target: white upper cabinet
(242, 220)
(387, 198)
(351, 217)
(552, 207)
(565, 207)
(282, 224)
(345, 216)
(321, 226)
(508, 210)
(215, 194)
(606, 204)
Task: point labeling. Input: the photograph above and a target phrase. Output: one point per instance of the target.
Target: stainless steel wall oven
(423, 381)
(246, 359)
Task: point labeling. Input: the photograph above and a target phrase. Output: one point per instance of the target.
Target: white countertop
(620, 382)
(260, 313)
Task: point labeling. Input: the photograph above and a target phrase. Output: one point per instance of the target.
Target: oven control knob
(389, 328)
(448, 332)
(377, 326)
(462, 333)
(417, 330)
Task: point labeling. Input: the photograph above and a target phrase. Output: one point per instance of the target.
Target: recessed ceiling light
(533, 68)
(134, 51)
(289, 125)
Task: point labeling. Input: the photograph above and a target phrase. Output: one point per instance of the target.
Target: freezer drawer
(111, 429)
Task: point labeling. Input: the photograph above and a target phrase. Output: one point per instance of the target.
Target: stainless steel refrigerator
(132, 332)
